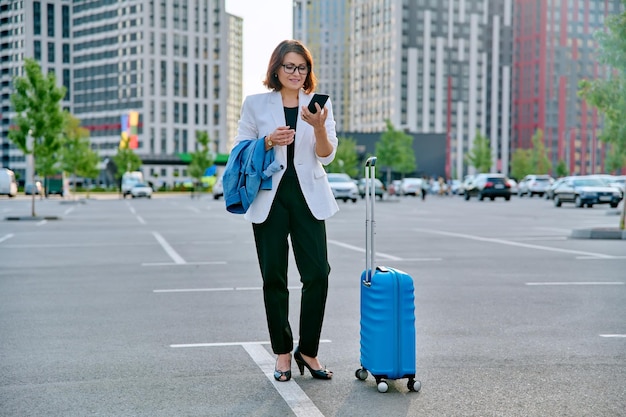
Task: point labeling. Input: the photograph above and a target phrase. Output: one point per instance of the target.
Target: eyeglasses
(291, 68)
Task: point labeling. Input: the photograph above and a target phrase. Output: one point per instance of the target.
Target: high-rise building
(554, 49)
(432, 67)
(173, 62)
(39, 30)
(324, 27)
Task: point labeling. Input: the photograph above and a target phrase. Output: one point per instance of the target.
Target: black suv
(490, 186)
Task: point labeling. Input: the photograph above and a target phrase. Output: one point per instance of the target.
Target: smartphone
(317, 98)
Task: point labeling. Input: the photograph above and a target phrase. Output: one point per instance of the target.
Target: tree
(521, 163)
(393, 149)
(561, 169)
(126, 161)
(480, 155)
(201, 159)
(540, 162)
(346, 159)
(36, 101)
(609, 95)
(77, 157)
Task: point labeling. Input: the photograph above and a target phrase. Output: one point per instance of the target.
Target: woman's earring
(275, 75)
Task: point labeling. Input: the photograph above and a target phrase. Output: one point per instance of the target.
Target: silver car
(343, 187)
(534, 185)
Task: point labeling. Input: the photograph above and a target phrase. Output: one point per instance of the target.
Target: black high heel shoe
(315, 373)
(278, 375)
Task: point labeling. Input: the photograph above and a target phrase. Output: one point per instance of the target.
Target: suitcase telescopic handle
(370, 198)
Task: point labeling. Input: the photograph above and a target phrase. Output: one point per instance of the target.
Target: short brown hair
(276, 60)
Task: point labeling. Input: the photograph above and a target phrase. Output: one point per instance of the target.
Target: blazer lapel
(302, 129)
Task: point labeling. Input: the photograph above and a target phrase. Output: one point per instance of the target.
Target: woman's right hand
(283, 136)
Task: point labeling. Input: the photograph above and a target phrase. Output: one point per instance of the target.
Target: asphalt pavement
(154, 308)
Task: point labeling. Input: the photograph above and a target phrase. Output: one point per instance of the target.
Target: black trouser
(290, 215)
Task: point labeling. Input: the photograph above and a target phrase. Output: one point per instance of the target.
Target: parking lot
(154, 308)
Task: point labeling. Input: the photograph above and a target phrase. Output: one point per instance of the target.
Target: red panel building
(554, 49)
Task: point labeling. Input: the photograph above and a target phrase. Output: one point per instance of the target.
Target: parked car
(583, 191)
(394, 187)
(141, 189)
(467, 181)
(550, 191)
(8, 184)
(379, 188)
(218, 189)
(411, 186)
(343, 187)
(513, 185)
(534, 185)
(35, 188)
(490, 186)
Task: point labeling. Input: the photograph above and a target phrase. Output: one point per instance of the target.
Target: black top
(291, 118)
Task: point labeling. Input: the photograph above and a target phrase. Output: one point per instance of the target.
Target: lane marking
(168, 249)
(362, 250)
(419, 259)
(216, 289)
(6, 237)
(141, 220)
(294, 396)
(510, 243)
(41, 223)
(185, 263)
(593, 258)
(613, 335)
(226, 344)
(132, 209)
(68, 211)
(536, 284)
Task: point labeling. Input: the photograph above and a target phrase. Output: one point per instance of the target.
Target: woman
(299, 201)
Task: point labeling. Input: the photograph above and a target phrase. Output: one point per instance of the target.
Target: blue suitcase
(387, 311)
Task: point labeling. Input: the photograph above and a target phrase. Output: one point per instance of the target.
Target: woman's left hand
(316, 120)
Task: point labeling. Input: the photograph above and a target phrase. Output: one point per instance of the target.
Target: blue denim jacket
(248, 170)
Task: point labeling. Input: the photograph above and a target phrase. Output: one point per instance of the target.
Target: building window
(50, 19)
(50, 51)
(66, 21)
(66, 83)
(37, 18)
(37, 50)
(66, 53)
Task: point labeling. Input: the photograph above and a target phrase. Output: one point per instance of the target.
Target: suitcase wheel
(361, 374)
(414, 385)
(383, 386)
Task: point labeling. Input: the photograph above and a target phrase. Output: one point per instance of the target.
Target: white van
(129, 180)
(8, 185)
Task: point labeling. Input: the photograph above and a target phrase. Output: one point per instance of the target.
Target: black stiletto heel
(279, 374)
(315, 373)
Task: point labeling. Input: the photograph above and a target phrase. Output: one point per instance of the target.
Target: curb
(599, 233)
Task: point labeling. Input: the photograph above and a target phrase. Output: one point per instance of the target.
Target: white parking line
(617, 336)
(362, 250)
(141, 220)
(6, 237)
(547, 284)
(168, 249)
(68, 211)
(185, 263)
(294, 396)
(198, 345)
(510, 243)
(216, 289)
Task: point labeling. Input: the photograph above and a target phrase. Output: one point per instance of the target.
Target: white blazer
(261, 114)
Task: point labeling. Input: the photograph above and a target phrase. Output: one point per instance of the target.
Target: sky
(265, 24)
